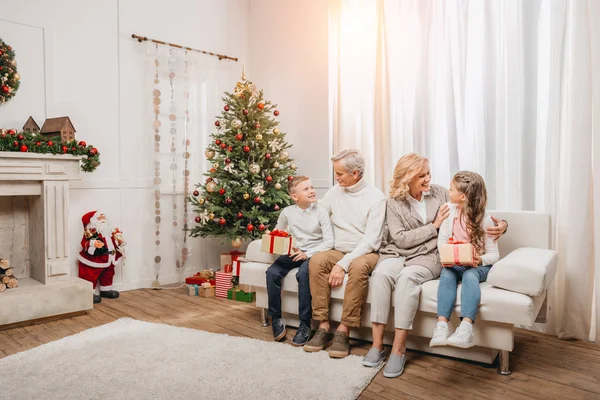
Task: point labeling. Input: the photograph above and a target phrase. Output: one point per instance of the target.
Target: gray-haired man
(357, 211)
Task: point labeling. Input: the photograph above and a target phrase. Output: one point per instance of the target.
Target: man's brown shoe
(340, 347)
(320, 341)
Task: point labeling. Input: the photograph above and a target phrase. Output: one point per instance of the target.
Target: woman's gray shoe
(394, 366)
(374, 358)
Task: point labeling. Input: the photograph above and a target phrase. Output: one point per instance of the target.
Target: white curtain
(506, 88)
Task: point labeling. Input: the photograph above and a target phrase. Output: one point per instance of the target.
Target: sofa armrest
(526, 270)
(255, 254)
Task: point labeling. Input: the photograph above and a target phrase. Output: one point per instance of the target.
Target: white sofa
(527, 271)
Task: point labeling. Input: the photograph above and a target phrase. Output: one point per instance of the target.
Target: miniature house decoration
(31, 126)
(58, 127)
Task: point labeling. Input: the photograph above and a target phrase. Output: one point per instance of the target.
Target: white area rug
(130, 359)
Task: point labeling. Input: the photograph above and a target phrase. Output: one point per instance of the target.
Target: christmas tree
(246, 186)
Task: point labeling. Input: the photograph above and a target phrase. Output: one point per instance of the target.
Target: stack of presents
(225, 282)
(222, 283)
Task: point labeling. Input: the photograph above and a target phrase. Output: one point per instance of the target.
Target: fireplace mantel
(50, 289)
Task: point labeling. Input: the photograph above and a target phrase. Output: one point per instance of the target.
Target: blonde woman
(408, 256)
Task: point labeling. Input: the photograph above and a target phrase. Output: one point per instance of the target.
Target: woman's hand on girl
(496, 231)
(442, 214)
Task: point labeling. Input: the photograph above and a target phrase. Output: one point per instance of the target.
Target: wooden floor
(543, 367)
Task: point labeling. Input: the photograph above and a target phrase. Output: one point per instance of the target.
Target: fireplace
(35, 193)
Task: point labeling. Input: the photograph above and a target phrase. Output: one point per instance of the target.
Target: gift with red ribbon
(229, 258)
(236, 267)
(456, 252)
(277, 242)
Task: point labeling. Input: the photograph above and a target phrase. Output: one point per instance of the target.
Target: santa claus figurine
(102, 248)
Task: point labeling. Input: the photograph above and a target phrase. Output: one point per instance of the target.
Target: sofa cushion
(497, 304)
(526, 270)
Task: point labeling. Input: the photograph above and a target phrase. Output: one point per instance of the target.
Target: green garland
(9, 78)
(26, 142)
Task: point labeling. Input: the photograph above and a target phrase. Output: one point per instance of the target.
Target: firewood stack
(7, 277)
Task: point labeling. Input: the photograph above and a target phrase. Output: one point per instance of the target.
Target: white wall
(288, 59)
(94, 72)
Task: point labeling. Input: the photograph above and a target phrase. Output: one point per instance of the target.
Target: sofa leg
(504, 368)
(264, 317)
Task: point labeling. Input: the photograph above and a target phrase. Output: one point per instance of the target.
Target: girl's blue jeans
(470, 294)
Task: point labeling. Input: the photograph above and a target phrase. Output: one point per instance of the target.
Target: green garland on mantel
(27, 142)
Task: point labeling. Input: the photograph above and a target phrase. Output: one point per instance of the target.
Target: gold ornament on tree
(246, 196)
(211, 216)
(254, 168)
(211, 186)
(278, 186)
(275, 164)
(236, 243)
(284, 155)
(258, 136)
(276, 131)
(294, 167)
(216, 165)
(201, 200)
(236, 124)
(210, 154)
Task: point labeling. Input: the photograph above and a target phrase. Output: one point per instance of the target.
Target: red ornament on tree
(23, 148)
(196, 193)
(230, 149)
(38, 143)
(290, 178)
(3, 135)
(260, 106)
(228, 201)
(64, 149)
(12, 132)
(261, 227)
(276, 208)
(240, 215)
(257, 200)
(249, 227)
(20, 137)
(223, 145)
(51, 143)
(221, 191)
(93, 150)
(208, 180)
(228, 161)
(239, 136)
(217, 123)
(246, 149)
(226, 108)
(257, 126)
(212, 170)
(197, 219)
(217, 142)
(245, 112)
(275, 113)
(82, 144)
(268, 156)
(269, 178)
(73, 149)
(5, 88)
(222, 221)
(16, 144)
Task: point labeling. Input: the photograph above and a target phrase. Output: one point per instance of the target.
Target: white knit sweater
(357, 215)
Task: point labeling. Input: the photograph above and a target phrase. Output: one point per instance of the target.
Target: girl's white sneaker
(463, 337)
(440, 335)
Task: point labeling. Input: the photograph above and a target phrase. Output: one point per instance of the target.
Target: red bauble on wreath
(249, 227)
(226, 108)
(222, 221)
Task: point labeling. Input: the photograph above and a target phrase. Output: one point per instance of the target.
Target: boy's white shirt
(310, 228)
(491, 248)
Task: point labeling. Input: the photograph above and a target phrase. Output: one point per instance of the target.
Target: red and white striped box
(223, 283)
(236, 267)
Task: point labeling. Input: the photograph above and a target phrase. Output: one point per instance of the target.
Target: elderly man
(357, 211)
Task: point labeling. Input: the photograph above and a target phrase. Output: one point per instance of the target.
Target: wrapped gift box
(457, 253)
(206, 291)
(223, 283)
(239, 295)
(236, 267)
(196, 280)
(246, 288)
(192, 290)
(277, 242)
(229, 258)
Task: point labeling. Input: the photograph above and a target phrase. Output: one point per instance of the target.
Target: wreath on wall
(9, 78)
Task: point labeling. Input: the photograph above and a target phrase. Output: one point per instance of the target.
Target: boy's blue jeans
(275, 273)
(470, 294)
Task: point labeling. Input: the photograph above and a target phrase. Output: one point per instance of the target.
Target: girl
(467, 223)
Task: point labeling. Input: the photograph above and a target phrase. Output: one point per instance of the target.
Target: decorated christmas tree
(246, 186)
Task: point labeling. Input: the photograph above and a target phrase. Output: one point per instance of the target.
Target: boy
(309, 224)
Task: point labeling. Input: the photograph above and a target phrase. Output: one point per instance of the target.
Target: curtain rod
(144, 38)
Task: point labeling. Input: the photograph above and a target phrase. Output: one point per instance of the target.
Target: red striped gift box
(223, 283)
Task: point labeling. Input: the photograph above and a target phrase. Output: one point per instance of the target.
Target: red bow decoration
(279, 233)
(452, 241)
